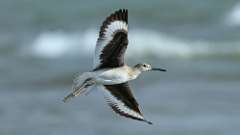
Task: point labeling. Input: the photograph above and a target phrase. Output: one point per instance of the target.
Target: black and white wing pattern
(112, 42)
(120, 98)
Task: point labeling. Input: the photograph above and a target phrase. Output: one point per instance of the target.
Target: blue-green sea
(45, 43)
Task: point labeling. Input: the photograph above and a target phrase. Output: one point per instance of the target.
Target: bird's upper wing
(120, 98)
(112, 41)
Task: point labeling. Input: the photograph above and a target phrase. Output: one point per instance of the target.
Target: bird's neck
(134, 72)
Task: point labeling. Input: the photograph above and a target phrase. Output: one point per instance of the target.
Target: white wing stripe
(114, 26)
(108, 36)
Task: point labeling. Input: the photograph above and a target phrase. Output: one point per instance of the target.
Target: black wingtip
(122, 10)
(148, 122)
(120, 14)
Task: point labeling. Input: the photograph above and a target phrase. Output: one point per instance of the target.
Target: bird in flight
(110, 74)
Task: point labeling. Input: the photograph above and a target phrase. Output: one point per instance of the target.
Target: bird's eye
(144, 65)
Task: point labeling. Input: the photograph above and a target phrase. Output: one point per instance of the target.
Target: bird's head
(148, 67)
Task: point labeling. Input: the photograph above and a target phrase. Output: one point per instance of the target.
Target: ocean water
(44, 44)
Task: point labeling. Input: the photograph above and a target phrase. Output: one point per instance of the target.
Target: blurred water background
(44, 43)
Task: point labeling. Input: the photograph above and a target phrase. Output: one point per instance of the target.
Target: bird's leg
(79, 89)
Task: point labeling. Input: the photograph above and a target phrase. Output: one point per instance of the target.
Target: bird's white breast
(112, 76)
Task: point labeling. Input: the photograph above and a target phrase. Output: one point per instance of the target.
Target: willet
(110, 73)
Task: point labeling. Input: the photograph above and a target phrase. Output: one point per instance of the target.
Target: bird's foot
(78, 90)
(75, 93)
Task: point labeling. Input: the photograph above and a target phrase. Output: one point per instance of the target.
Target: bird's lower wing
(120, 98)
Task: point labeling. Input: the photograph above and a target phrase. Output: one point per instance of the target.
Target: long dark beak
(159, 69)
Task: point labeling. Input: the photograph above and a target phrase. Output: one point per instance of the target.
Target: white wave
(56, 44)
(161, 45)
(233, 17)
(141, 43)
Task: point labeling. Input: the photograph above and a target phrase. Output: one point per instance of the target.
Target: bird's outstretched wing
(120, 98)
(112, 41)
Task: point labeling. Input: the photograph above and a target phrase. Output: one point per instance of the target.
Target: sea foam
(55, 44)
(233, 17)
